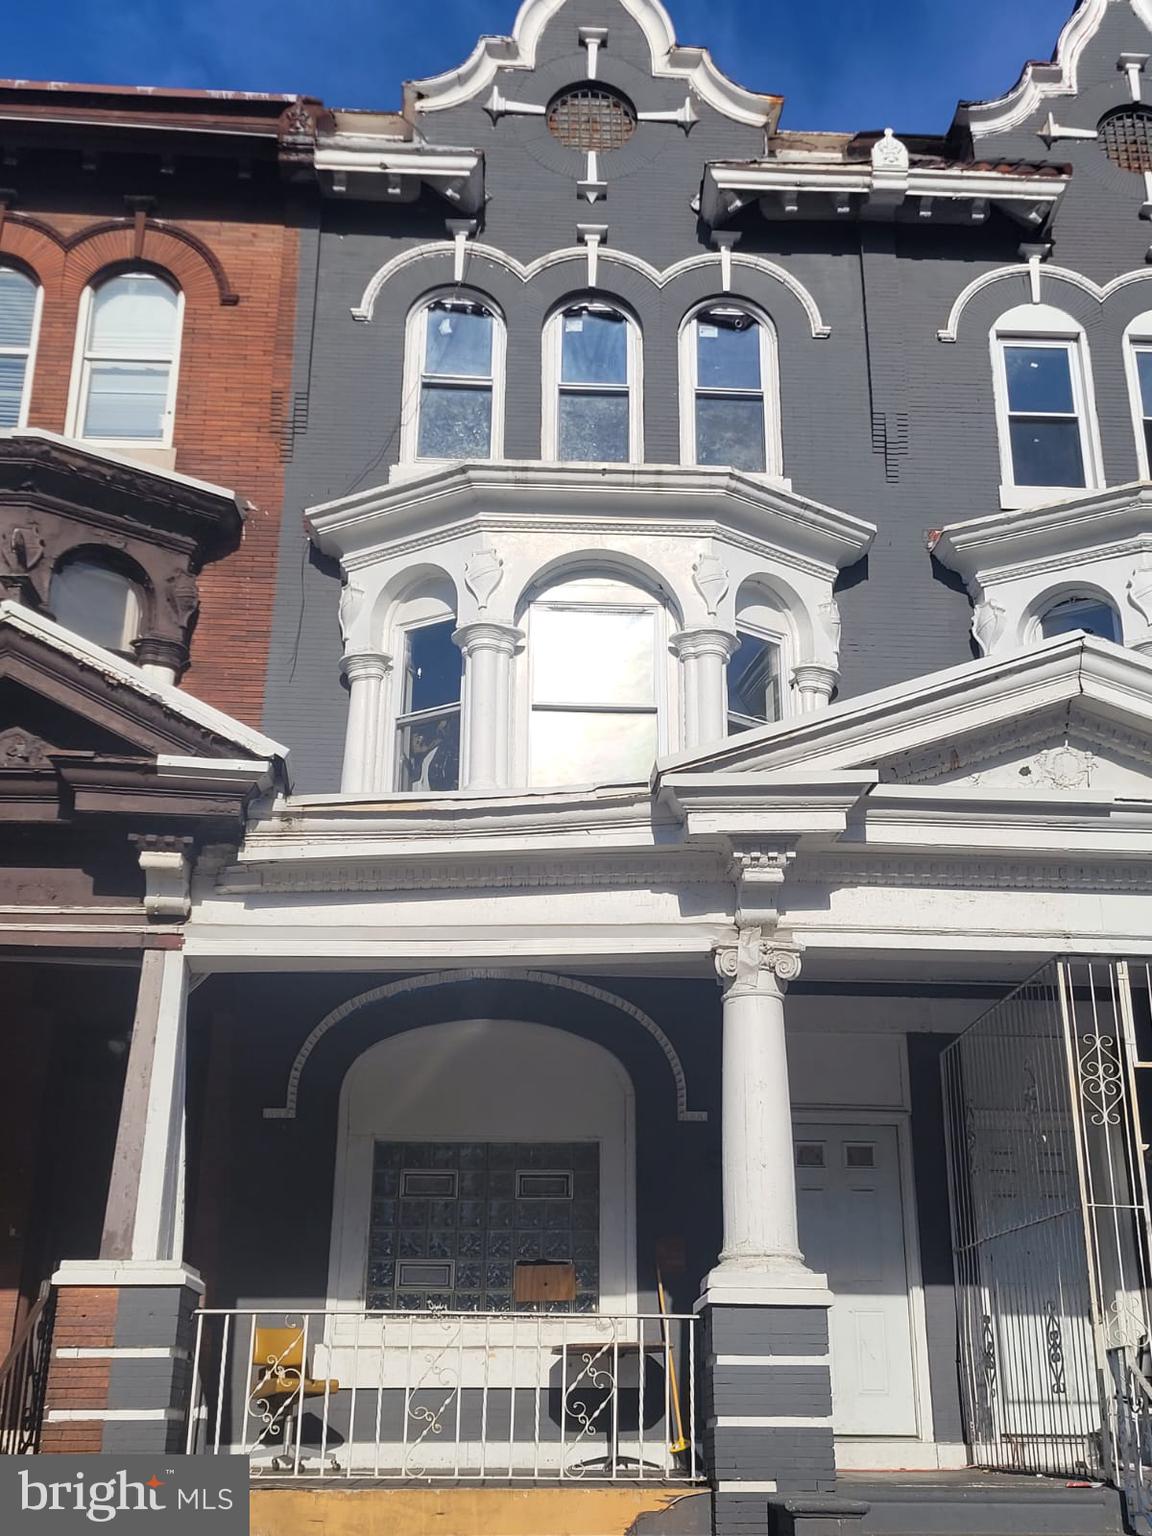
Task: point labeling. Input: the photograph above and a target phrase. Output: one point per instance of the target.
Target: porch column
(815, 686)
(118, 1376)
(488, 650)
(366, 672)
(767, 1386)
(704, 655)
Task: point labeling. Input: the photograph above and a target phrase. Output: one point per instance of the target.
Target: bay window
(753, 683)
(728, 373)
(127, 361)
(594, 409)
(594, 712)
(428, 714)
(1094, 615)
(19, 313)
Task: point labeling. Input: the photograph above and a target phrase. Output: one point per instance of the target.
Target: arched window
(97, 602)
(728, 371)
(454, 382)
(1092, 614)
(1044, 402)
(593, 408)
(1138, 361)
(757, 690)
(429, 668)
(128, 352)
(595, 647)
(19, 316)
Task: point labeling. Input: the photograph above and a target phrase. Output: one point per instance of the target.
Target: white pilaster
(704, 655)
(815, 686)
(761, 1262)
(488, 650)
(364, 755)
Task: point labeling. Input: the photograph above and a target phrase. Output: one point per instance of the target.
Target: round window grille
(591, 117)
(1126, 138)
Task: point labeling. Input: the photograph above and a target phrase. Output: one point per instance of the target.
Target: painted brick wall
(235, 370)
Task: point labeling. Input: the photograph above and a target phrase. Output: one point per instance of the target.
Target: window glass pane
(570, 747)
(727, 351)
(1046, 452)
(133, 316)
(1148, 438)
(595, 348)
(429, 753)
(95, 602)
(459, 341)
(11, 389)
(1144, 371)
(590, 656)
(17, 308)
(126, 400)
(433, 667)
(753, 683)
(1086, 613)
(1039, 379)
(455, 422)
(730, 431)
(594, 428)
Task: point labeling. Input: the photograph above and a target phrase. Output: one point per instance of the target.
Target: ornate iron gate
(1050, 1217)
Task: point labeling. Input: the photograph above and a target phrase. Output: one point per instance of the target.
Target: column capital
(815, 683)
(485, 635)
(706, 641)
(365, 664)
(755, 964)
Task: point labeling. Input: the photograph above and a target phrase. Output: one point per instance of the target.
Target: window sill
(1014, 498)
(160, 457)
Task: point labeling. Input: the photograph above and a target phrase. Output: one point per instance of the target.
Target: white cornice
(940, 707)
(125, 675)
(476, 251)
(368, 524)
(140, 467)
(1041, 82)
(458, 174)
(438, 93)
(1100, 521)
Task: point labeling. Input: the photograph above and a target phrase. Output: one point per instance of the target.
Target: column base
(761, 1282)
(125, 1272)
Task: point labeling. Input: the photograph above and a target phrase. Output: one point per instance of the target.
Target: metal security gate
(1049, 1222)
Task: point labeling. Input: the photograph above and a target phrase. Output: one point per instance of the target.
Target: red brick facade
(85, 1319)
(239, 283)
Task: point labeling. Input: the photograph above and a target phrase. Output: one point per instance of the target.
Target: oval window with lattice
(1126, 138)
(591, 117)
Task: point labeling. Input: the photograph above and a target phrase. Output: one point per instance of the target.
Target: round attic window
(1126, 138)
(591, 117)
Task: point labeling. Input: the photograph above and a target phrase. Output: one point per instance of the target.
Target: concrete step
(983, 1506)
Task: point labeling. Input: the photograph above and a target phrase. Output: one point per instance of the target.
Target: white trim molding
(287, 1111)
(445, 250)
(416, 374)
(1137, 342)
(28, 352)
(769, 388)
(554, 385)
(1038, 274)
(669, 60)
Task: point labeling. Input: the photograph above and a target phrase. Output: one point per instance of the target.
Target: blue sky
(841, 64)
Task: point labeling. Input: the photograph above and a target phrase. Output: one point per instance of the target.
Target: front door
(852, 1229)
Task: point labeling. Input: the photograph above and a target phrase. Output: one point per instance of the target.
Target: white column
(815, 686)
(144, 1216)
(364, 753)
(761, 1260)
(704, 655)
(488, 650)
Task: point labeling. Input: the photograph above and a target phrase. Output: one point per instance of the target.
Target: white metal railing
(523, 1396)
(1132, 1412)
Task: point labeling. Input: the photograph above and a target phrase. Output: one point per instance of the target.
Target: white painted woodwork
(364, 754)
(704, 655)
(488, 650)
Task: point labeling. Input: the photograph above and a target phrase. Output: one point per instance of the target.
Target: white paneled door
(852, 1230)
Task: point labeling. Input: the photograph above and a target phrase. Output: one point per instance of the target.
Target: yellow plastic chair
(280, 1379)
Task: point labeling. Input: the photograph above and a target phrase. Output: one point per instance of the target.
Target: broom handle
(680, 1443)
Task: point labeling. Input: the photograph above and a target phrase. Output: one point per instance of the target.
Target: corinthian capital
(756, 964)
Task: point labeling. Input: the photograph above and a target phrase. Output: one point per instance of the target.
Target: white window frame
(664, 679)
(401, 717)
(1039, 325)
(78, 388)
(1137, 339)
(415, 351)
(28, 353)
(553, 345)
(779, 639)
(769, 382)
(1055, 596)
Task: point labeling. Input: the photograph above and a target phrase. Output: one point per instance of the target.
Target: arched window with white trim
(128, 350)
(758, 690)
(1049, 442)
(20, 300)
(729, 396)
(454, 381)
(96, 601)
(1138, 363)
(429, 675)
(1081, 611)
(598, 682)
(593, 407)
